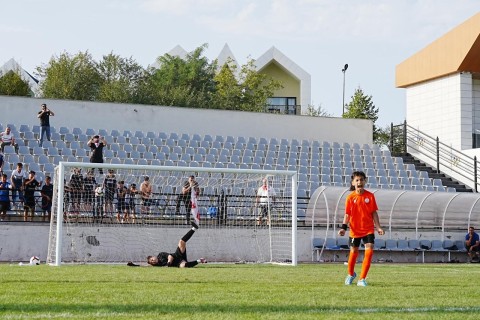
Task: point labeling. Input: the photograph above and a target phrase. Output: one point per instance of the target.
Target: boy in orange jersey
(361, 212)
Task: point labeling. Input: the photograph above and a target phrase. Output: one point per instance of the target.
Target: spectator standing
(265, 199)
(8, 139)
(5, 189)
(17, 178)
(186, 197)
(131, 198)
(47, 196)
(76, 189)
(121, 202)
(89, 185)
(30, 186)
(1, 162)
(361, 213)
(146, 192)
(109, 186)
(44, 116)
(96, 145)
(472, 243)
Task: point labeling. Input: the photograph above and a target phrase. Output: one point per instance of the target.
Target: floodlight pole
(343, 101)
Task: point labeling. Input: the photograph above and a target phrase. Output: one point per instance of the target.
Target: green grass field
(310, 291)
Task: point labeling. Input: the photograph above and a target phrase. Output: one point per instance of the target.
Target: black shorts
(178, 257)
(355, 242)
(109, 195)
(263, 210)
(122, 205)
(29, 205)
(47, 207)
(76, 196)
(147, 202)
(4, 206)
(89, 197)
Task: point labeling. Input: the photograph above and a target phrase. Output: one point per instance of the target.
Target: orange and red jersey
(360, 209)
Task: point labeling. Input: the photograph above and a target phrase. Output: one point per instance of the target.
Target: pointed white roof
(12, 65)
(225, 55)
(273, 54)
(178, 51)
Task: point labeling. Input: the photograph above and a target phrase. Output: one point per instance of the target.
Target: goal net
(104, 213)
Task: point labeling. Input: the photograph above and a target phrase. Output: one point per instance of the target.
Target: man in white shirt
(17, 179)
(265, 198)
(7, 139)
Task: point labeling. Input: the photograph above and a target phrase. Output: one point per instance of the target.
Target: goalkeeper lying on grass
(177, 259)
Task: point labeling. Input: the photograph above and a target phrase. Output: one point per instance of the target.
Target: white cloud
(371, 20)
(185, 8)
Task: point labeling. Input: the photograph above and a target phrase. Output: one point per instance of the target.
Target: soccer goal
(99, 214)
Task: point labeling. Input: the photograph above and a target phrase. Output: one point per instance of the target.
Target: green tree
(383, 136)
(316, 112)
(121, 79)
(228, 90)
(256, 88)
(247, 92)
(11, 84)
(182, 82)
(362, 107)
(70, 77)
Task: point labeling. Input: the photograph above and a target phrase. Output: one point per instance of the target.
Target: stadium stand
(335, 161)
(317, 162)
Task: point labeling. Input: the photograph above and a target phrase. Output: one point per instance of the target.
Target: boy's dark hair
(356, 174)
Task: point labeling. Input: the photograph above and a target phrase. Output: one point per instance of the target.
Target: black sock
(191, 264)
(188, 235)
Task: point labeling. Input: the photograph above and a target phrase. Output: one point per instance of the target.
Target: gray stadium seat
(64, 130)
(153, 149)
(391, 244)
(78, 145)
(121, 154)
(403, 245)
(379, 244)
(90, 132)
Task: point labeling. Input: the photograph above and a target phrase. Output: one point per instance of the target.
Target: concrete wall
(443, 108)
(20, 241)
(185, 120)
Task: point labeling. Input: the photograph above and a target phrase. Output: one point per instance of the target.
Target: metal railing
(283, 109)
(407, 139)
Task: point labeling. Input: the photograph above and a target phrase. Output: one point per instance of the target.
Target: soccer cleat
(202, 260)
(349, 279)
(194, 225)
(362, 283)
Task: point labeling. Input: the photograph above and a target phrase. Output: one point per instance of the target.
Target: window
(287, 105)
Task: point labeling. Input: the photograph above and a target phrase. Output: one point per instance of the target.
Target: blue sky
(372, 36)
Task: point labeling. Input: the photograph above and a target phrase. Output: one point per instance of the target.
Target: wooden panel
(458, 50)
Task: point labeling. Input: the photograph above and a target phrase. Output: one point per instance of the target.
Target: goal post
(239, 221)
